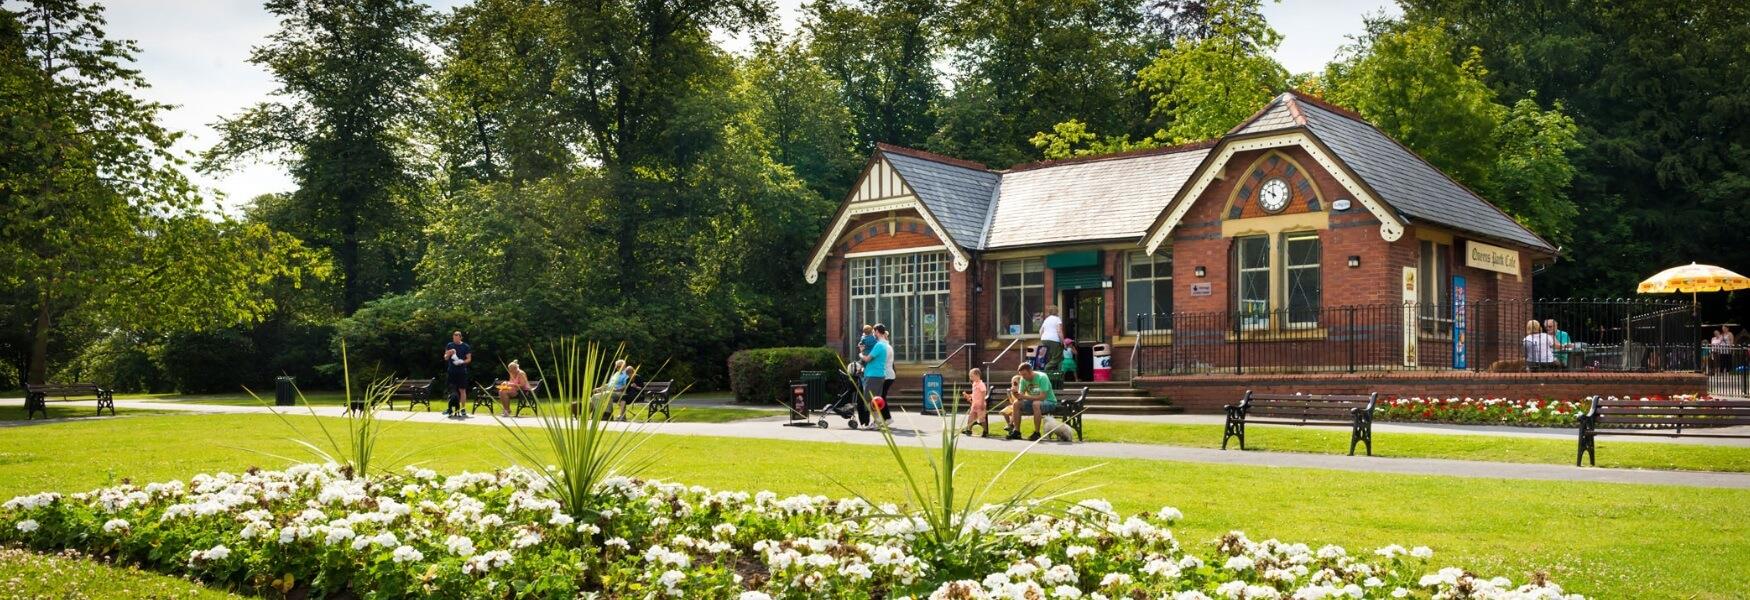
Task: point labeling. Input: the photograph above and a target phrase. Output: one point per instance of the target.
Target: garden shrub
(202, 362)
(763, 375)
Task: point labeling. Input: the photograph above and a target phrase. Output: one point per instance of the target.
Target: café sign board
(1491, 258)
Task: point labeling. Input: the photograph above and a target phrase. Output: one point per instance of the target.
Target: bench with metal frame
(487, 395)
(1658, 418)
(656, 395)
(414, 391)
(1070, 406)
(1354, 412)
(37, 394)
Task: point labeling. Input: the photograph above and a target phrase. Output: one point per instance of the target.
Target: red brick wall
(1208, 393)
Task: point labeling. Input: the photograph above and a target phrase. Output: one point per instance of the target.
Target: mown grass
(70, 409)
(26, 574)
(1612, 452)
(1603, 540)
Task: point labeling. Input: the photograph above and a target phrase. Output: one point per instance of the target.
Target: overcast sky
(195, 54)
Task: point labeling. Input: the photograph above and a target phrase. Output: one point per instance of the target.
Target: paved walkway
(911, 427)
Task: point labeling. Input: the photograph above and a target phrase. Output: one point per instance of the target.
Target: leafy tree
(1201, 87)
(492, 101)
(797, 104)
(1657, 91)
(1025, 65)
(882, 53)
(99, 225)
(1404, 78)
(349, 76)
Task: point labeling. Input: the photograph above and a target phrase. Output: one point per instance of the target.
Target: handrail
(1135, 353)
(999, 356)
(956, 352)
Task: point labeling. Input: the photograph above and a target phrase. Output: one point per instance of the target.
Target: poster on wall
(1410, 357)
(1459, 360)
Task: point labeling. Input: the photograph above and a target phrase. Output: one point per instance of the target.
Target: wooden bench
(487, 396)
(414, 391)
(1660, 419)
(1070, 405)
(656, 394)
(1354, 412)
(36, 397)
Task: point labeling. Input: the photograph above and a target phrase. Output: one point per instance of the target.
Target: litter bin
(815, 393)
(285, 391)
(932, 393)
(1102, 362)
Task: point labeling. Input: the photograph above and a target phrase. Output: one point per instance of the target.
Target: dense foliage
(316, 531)
(763, 375)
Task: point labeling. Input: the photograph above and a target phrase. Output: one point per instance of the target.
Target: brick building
(1299, 210)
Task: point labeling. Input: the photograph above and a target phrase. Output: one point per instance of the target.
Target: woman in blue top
(615, 390)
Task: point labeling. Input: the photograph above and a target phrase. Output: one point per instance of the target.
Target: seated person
(516, 382)
(1036, 397)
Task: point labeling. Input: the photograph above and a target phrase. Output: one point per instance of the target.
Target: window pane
(1034, 272)
(1033, 299)
(1254, 291)
(1303, 251)
(1303, 295)
(1254, 253)
(1137, 302)
(1163, 296)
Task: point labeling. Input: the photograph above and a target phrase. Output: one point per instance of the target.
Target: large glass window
(1302, 282)
(1148, 291)
(1434, 298)
(1253, 281)
(908, 293)
(1020, 296)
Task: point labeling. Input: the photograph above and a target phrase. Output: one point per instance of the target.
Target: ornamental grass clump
(955, 529)
(354, 446)
(310, 531)
(572, 447)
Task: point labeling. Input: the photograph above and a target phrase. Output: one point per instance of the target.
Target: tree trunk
(39, 342)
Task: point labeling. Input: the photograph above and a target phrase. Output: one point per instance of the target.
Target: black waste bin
(285, 391)
(815, 389)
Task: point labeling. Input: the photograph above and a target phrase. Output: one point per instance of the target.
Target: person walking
(1051, 336)
(877, 362)
(1037, 398)
(457, 356)
(977, 401)
(516, 382)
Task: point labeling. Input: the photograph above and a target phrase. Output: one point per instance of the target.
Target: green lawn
(1612, 451)
(71, 409)
(1604, 540)
(31, 575)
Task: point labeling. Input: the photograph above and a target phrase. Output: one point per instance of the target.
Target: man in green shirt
(1036, 397)
(1563, 342)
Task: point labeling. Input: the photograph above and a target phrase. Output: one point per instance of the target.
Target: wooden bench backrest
(1305, 406)
(658, 387)
(1654, 414)
(408, 386)
(57, 389)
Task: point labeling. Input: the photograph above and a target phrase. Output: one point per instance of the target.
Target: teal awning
(1070, 260)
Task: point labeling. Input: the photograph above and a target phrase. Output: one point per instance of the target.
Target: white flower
(1169, 514)
(459, 545)
(1238, 563)
(408, 554)
(753, 596)
(1065, 591)
(27, 525)
(856, 570)
(1115, 579)
(1392, 551)
(114, 525)
(670, 580)
(1422, 552)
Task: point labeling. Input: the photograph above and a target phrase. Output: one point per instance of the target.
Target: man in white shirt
(1051, 336)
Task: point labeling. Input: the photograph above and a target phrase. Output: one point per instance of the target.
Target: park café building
(1301, 208)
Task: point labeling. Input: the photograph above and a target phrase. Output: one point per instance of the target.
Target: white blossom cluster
(480, 534)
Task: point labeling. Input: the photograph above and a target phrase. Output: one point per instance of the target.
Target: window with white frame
(1434, 298)
(1302, 282)
(1148, 291)
(1020, 296)
(1252, 281)
(906, 292)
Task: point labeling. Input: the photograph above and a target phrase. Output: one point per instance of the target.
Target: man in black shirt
(457, 356)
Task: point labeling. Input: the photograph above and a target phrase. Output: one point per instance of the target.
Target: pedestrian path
(916, 429)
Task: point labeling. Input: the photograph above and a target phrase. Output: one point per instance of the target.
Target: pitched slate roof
(1402, 179)
(958, 193)
(1101, 198)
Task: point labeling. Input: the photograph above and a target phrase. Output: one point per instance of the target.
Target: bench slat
(1721, 411)
(1678, 422)
(1280, 421)
(1602, 404)
(1293, 398)
(1301, 412)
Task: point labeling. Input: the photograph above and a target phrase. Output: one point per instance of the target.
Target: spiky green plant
(572, 447)
(355, 446)
(955, 539)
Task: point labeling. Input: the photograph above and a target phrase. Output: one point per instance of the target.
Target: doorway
(1084, 320)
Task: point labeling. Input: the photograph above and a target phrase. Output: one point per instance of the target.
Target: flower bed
(1494, 411)
(312, 530)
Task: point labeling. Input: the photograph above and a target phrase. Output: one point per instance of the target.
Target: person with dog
(457, 356)
(1036, 397)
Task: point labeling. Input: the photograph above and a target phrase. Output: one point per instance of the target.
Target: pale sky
(195, 54)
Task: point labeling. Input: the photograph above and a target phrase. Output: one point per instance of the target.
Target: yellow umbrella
(1692, 278)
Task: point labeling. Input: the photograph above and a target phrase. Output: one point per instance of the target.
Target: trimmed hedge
(763, 375)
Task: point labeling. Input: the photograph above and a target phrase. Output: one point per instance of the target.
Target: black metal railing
(1605, 335)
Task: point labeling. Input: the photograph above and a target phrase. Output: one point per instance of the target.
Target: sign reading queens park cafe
(1491, 258)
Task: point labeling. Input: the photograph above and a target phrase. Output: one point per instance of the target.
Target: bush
(764, 375)
(204, 362)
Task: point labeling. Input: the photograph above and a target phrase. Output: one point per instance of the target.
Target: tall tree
(349, 88)
(493, 100)
(882, 52)
(1200, 87)
(1024, 65)
(797, 104)
(97, 223)
(1413, 82)
(1659, 92)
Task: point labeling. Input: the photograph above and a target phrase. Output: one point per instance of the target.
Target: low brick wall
(1208, 393)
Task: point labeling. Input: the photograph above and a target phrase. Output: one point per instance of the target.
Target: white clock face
(1274, 195)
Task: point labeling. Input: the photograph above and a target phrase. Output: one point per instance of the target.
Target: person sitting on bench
(1036, 397)
(517, 383)
(616, 390)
